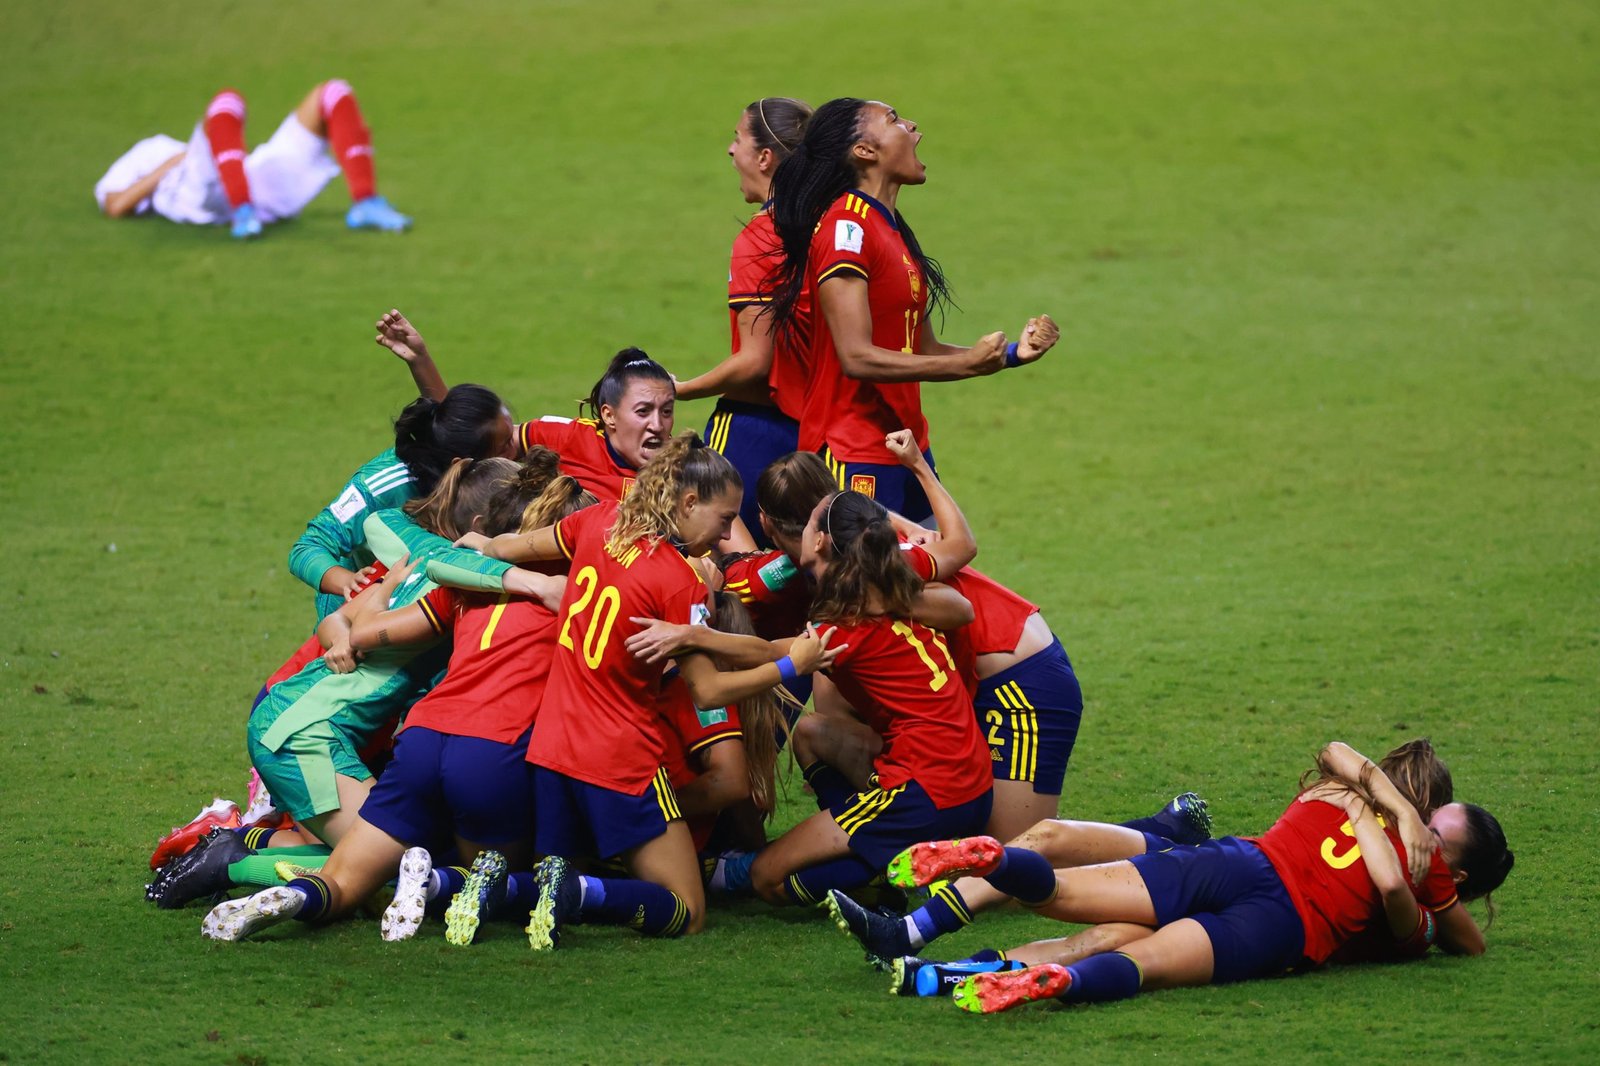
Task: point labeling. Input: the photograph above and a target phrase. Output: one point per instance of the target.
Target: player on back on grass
(600, 783)
(846, 243)
(212, 180)
(1340, 861)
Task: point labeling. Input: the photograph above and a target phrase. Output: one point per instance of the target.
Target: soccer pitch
(1315, 459)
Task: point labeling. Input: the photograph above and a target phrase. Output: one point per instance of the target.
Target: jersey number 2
(605, 613)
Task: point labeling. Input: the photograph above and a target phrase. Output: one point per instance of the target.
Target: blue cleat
(880, 936)
(376, 213)
(245, 223)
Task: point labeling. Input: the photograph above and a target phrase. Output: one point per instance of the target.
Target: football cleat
(987, 993)
(376, 213)
(287, 870)
(882, 937)
(923, 864)
(182, 839)
(235, 919)
(913, 976)
(202, 872)
(245, 223)
(1187, 819)
(403, 915)
(259, 809)
(480, 895)
(559, 897)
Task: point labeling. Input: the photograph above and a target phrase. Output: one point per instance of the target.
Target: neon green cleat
(480, 894)
(988, 993)
(558, 903)
(923, 864)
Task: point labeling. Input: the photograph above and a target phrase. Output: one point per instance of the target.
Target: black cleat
(201, 873)
(1187, 819)
(884, 938)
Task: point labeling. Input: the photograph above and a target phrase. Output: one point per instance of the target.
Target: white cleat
(236, 919)
(259, 805)
(403, 917)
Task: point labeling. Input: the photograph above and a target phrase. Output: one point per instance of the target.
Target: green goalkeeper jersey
(335, 537)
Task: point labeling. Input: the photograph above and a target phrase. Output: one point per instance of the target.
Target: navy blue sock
(1157, 842)
(451, 878)
(812, 884)
(1026, 876)
(1151, 826)
(945, 912)
(255, 837)
(318, 898)
(521, 894)
(1103, 978)
(641, 905)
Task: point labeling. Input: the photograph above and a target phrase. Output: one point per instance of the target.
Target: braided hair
(805, 185)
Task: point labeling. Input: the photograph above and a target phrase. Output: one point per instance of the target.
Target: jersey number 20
(605, 613)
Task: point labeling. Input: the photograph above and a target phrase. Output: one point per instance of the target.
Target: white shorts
(286, 173)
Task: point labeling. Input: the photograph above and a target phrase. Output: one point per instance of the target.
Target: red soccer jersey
(756, 253)
(1314, 851)
(585, 453)
(902, 680)
(998, 613)
(499, 662)
(773, 589)
(600, 721)
(690, 731)
(858, 238)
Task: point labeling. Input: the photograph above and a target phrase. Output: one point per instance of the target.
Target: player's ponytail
(816, 174)
(626, 366)
(561, 497)
(865, 563)
(430, 434)
(503, 514)
(650, 509)
(790, 488)
(1419, 775)
(760, 718)
(462, 494)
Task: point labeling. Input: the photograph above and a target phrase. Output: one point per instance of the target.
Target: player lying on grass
(211, 180)
(1342, 859)
(600, 785)
(306, 736)
(893, 941)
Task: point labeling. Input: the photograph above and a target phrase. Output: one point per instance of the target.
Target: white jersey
(285, 174)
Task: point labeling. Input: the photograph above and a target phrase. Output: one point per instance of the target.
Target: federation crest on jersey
(627, 486)
(847, 235)
(348, 505)
(699, 615)
(866, 484)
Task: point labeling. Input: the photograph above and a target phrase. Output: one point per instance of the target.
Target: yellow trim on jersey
(838, 268)
(749, 298)
(731, 733)
(1024, 731)
(561, 542)
(869, 806)
(852, 202)
(666, 798)
(431, 615)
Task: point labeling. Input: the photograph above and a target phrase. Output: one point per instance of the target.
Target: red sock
(351, 140)
(225, 130)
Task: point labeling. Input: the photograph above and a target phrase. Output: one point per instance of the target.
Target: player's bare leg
(670, 861)
(1096, 940)
(815, 840)
(332, 825)
(1017, 807)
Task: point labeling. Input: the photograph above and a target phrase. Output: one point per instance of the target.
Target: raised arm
(744, 370)
(402, 338)
(956, 546)
(124, 202)
(848, 316)
(1383, 866)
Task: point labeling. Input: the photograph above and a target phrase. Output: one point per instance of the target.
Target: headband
(761, 109)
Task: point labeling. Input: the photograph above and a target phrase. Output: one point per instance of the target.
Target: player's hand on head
(1038, 337)
(902, 444)
(988, 354)
(1420, 844)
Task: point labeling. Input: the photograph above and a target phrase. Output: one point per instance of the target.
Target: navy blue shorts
(578, 820)
(1029, 715)
(1231, 889)
(890, 484)
(751, 436)
(479, 789)
(881, 823)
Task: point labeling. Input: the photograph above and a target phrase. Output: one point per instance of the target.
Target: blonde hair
(760, 718)
(463, 493)
(562, 496)
(650, 510)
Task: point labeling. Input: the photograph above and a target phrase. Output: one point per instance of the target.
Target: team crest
(866, 484)
(627, 486)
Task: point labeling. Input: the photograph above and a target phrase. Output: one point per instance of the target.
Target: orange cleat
(942, 860)
(987, 993)
(183, 838)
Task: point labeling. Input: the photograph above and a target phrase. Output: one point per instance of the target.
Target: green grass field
(1309, 463)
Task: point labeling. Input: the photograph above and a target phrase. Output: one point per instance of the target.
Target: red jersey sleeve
(581, 523)
(440, 607)
(755, 253)
(839, 247)
(922, 563)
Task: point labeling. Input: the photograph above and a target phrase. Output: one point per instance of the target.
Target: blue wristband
(1011, 356)
(786, 670)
